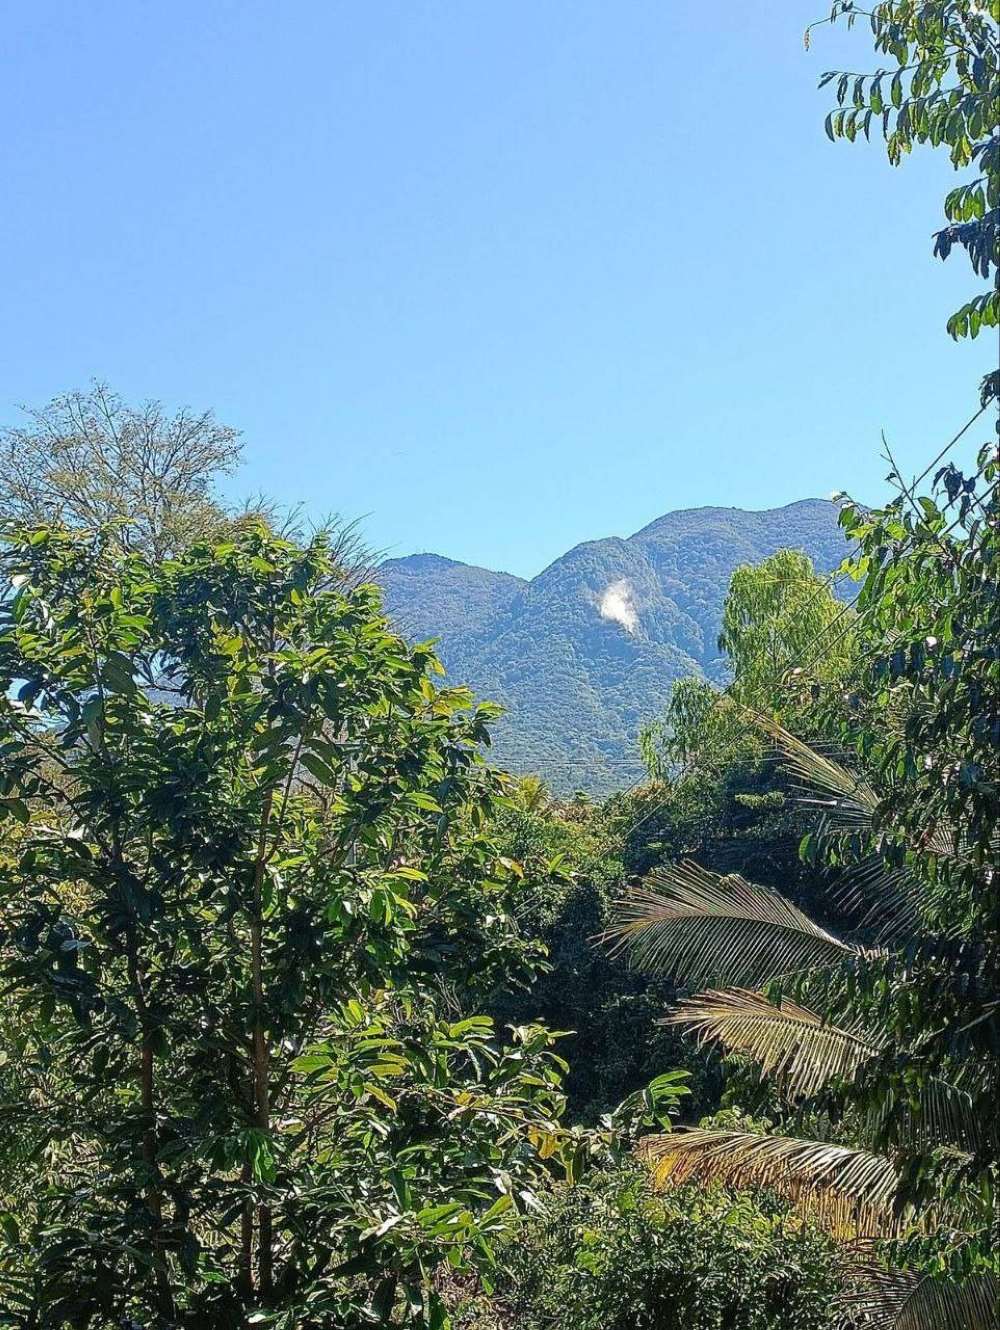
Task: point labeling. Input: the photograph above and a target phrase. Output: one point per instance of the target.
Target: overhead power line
(816, 658)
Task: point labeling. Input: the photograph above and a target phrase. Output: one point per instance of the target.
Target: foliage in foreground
(944, 92)
(883, 1036)
(248, 897)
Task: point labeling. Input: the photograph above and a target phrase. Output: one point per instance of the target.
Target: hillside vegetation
(587, 652)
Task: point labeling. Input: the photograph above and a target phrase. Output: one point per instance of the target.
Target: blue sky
(495, 277)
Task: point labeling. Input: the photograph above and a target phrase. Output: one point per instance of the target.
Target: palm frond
(848, 801)
(878, 892)
(800, 1049)
(824, 781)
(700, 927)
(851, 1192)
(906, 1300)
(888, 898)
(935, 1305)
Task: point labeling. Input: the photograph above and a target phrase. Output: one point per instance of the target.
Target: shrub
(614, 1254)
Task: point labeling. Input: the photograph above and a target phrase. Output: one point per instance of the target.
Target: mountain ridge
(585, 652)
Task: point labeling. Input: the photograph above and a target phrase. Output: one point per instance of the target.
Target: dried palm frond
(889, 896)
(821, 777)
(698, 926)
(851, 1192)
(789, 1042)
(907, 1300)
(803, 1052)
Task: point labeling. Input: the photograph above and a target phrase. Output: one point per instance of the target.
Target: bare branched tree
(89, 459)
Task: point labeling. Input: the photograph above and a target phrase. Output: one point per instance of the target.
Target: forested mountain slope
(586, 652)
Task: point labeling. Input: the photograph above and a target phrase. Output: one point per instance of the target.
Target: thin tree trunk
(260, 1052)
(147, 1067)
(245, 1275)
(147, 1100)
(237, 1088)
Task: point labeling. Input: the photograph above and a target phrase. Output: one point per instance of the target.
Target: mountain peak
(422, 563)
(588, 651)
(690, 518)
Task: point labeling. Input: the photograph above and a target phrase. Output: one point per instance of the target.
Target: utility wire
(948, 446)
(829, 583)
(725, 692)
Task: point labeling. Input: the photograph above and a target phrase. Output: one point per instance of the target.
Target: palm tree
(533, 794)
(837, 1022)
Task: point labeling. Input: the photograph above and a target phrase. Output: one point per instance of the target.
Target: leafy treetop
(248, 894)
(943, 90)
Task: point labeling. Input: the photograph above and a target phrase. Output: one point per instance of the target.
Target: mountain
(586, 652)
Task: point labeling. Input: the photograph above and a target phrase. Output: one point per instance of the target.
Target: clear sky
(496, 277)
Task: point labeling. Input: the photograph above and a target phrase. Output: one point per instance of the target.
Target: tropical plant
(532, 794)
(248, 898)
(888, 1031)
(808, 1024)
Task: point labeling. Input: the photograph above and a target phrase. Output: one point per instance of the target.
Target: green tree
(89, 460)
(944, 90)
(892, 1029)
(784, 634)
(574, 856)
(929, 621)
(775, 619)
(611, 1254)
(726, 802)
(532, 794)
(248, 897)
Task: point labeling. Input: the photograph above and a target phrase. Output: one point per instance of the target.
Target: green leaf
(318, 768)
